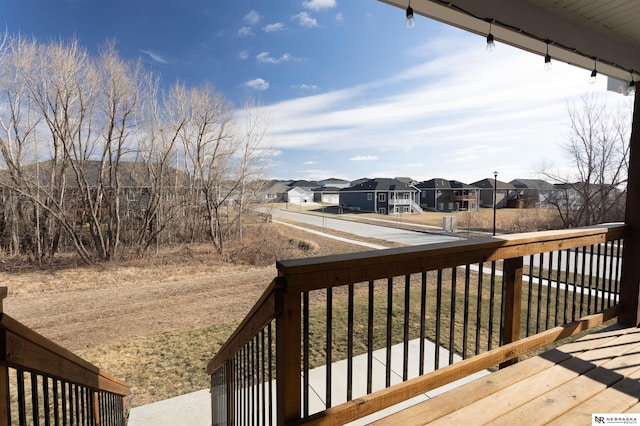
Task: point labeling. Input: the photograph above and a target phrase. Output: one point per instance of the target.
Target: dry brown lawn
(153, 322)
(156, 322)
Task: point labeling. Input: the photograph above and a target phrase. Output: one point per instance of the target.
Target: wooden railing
(462, 306)
(42, 383)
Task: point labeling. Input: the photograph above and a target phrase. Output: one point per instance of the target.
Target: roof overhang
(579, 32)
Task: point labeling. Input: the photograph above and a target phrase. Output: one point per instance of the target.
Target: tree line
(96, 156)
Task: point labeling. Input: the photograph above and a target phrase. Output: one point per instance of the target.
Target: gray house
(383, 196)
(532, 193)
(441, 195)
(504, 192)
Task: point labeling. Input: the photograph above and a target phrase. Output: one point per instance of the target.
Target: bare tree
(158, 141)
(251, 166)
(598, 149)
(208, 149)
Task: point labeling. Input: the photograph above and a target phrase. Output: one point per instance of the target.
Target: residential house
(503, 192)
(301, 191)
(533, 193)
(443, 195)
(334, 183)
(383, 196)
(275, 191)
(327, 194)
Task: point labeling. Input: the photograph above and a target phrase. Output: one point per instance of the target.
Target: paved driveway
(386, 233)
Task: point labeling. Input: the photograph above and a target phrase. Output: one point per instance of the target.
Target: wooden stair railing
(44, 383)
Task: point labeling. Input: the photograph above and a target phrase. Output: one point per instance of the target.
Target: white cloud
(246, 32)
(339, 17)
(305, 20)
(272, 28)
(363, 158)
(311, 87)
(506, 115)
(257, 84)
(319, 4)
(266, 58)
(309, 163)
(252, 18)
(243, 55)
(156, 57)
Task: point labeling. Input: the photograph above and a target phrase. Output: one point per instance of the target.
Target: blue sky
(349, 91)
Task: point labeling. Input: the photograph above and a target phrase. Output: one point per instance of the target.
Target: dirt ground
(183, 289)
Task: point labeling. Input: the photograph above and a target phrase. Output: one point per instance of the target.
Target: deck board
(597, 373)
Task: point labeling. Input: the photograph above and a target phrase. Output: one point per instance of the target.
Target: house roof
(438, 183)
(532, 184)
(380, 184)
(488, 183)
(578, 32)
(303, 184)
(131, 174)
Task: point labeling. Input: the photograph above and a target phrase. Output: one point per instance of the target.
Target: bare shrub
(263, 245)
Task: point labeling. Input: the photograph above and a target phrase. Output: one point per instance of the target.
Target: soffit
(579, 32)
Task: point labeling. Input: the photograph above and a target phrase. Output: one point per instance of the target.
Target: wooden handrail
(21, 347)
(264, 310)
(281, 302)
(330, 271)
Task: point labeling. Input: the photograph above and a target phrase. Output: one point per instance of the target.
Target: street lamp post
(495, 199)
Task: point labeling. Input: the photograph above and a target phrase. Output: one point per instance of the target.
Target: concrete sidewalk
(194, 409)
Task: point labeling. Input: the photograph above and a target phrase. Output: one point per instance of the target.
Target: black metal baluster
(465, 328)
(370, 339)
(389, 330)
(479, 308)
(329, 345)
(617, 274)
(492, 293)
(589, 311)
(270, 352)
(452, 316)
(46, 401)
(609, 276)
(582, 280)
(252, 379)
(540, 279)
(567, 268)
(56, 403)
(557, 304)
(530, 296)
(263, 372)
(35, 400)
(599, 291)
(305, 350)
(65, 409)
(423, 318)
(22, 403)
(576, 256)
(405, 334)
(502, 290)
(350, 344)
(549, 277)
(438, 342)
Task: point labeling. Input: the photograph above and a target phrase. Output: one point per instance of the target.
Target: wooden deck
(599, 373)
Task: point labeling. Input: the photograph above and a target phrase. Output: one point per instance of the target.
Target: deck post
(630, 280)
(4, 371)
(512, 271)
(288, 355)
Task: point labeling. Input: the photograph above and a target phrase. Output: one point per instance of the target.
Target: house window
(382, 210)
(369, 196)
(382, 197)
(423, 194)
